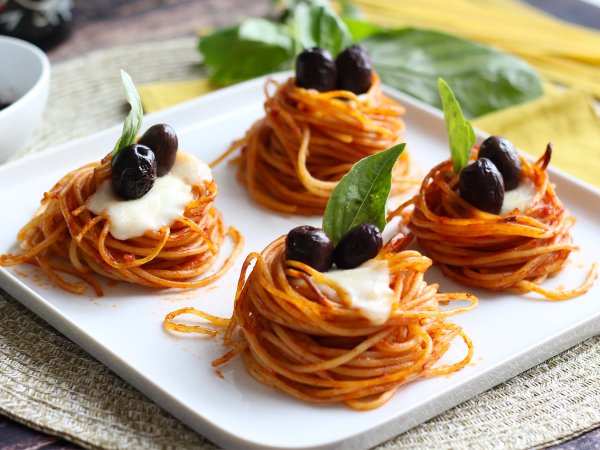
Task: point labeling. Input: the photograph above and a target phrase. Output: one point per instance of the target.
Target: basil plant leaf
(484, 79)
(254, 48)
(461, 135)
(361, 195)
(316, 25)
(360, 29)
(133, 121)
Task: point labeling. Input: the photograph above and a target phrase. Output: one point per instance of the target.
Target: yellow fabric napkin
(567, 119)
(159, 96)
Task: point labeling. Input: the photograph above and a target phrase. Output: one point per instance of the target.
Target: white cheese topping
(519, 198)
(368, 287)
(190, 169)
(161, 205)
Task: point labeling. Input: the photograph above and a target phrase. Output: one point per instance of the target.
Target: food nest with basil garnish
(491, 218)
(317, 124)
(144, 215)
(335, 315)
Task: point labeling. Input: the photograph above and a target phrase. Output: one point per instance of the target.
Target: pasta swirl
(292, 159)
(517, 251)
(301, 339)
(65, 237)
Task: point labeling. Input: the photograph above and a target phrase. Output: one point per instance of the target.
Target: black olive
(354, 69)
(162, 140)
(310, 246)
(358, 245)
(481, 184)
(504, 156)
(315, 69)
(133, 171)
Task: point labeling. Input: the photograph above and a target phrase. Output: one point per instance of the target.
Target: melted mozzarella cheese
(159, 207)
(368, 287)
(519, 198)
(190, 169)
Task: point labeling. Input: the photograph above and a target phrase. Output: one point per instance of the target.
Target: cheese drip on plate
(159, 207)
(368, 287)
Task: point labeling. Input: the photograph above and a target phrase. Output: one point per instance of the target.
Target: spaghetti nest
(310, 343)
(65, 237)
(292, 159)
(517, 251)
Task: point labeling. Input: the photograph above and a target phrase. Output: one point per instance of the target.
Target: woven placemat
(50, 384)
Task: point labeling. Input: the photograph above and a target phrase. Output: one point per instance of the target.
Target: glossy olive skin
(504, 156)
(354, 69)
(133, 171)
(162, 140)
(481, 184)
(358, 245)
(315, 69)
(311, 246)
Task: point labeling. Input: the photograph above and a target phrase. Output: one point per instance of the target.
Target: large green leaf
(317, 25)
(483, 79)
(249, 50)
(360, 29)
(361, 195)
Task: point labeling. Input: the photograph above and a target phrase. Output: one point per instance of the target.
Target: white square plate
(124, 329)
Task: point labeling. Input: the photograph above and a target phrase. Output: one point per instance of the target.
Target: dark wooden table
(104, 23)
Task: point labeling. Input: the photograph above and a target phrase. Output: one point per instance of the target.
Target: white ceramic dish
(24, 83)
(123, 329)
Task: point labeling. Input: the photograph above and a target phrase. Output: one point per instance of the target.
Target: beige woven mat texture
(48, 383)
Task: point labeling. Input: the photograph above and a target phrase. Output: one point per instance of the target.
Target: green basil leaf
(361, 195)
(461, 135)
(318, 26)
(484, 79)
(359, 29)
(133, 121)
(254, 48)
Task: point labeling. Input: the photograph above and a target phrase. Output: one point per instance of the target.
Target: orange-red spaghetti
(292, 159)
(517, 251)
(314, 346)
(65, 237)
